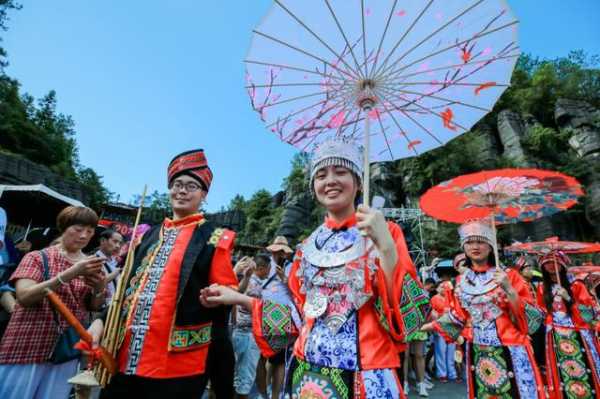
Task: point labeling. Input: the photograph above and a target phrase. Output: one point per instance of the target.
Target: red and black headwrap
(191, 163)
(554, 259)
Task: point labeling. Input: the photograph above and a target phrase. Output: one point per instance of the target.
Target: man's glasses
(189, 187)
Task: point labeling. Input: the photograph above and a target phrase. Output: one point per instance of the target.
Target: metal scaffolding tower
(412, 219)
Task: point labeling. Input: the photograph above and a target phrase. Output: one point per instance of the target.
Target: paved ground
(449, 390)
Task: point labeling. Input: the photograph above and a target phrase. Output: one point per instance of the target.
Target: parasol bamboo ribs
(111, 327)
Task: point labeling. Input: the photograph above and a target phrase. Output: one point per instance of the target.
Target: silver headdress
(337, 152)
(477, 230)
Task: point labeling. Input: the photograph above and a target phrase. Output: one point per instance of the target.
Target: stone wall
(15, 170)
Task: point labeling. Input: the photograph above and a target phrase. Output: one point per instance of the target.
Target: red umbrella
(510, 195)
(585, 269)
(503, 195)
(554, 244)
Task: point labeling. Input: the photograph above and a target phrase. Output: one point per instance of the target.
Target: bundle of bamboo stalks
(112, 325)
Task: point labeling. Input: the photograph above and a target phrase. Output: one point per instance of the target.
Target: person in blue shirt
(9, 259)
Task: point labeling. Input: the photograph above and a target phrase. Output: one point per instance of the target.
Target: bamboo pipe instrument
(111, 327)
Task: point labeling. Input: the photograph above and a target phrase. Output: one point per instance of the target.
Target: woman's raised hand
(372, 223)
(501, 278)
(89, 266)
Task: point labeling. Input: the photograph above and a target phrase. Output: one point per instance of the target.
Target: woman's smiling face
(335, 187)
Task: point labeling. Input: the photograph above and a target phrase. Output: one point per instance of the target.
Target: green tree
(157, 206)
(5, 7)
(296, 182)
(18, 132)
(259, 216)
(537, 84)
(99, 194)
(238, 203)
(59, 132)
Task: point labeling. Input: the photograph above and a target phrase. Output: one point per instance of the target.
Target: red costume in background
(500, 359)
(572, 348)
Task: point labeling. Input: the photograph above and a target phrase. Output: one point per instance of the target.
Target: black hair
(547, 283)
(491, 260)
(262, 259)
(429, 281)
(107, 234)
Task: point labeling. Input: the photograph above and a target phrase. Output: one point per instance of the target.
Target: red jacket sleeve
(584, 307)
(527, 314)
(221, 269)
(416, 302)
(405, 263)
(453, 321)
(295, 282)
(439, 304)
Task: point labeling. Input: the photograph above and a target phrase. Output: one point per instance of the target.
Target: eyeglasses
(189, 187)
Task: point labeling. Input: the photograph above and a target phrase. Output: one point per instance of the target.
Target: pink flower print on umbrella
(337, 120)
(363, 73)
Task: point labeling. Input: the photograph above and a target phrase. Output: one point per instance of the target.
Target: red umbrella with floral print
(554, 244)
(585, 269)
(504, 196)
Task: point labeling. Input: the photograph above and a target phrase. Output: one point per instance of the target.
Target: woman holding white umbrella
(344, 281)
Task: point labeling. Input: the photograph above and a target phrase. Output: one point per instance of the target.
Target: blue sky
(145, 80)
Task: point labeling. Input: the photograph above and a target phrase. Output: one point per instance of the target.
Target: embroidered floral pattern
(571, 362)
(333, 350)
(573, 368)
(450, 325)
(491, 372)
(277, 325)
(524, 374)
(380, 384)
(566, 347)
(414, 306)
(578, 390)
(587, 313)
(534, 317)
(313, 382)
